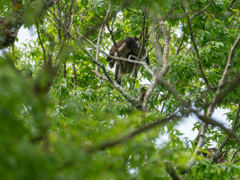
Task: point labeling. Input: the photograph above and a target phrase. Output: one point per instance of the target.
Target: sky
(25, 35)
(185, 126)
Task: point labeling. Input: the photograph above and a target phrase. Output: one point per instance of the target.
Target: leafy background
(51, 122)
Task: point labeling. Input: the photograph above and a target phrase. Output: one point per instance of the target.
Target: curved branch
(132, 134)
(195, 47)
(193, 16)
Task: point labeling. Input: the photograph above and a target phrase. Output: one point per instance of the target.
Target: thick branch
(10, 26)
(164, 69)
(166, 66)
(172, 171)
(133, 134)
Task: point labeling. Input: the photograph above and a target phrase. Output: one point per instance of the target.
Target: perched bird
(126, 47)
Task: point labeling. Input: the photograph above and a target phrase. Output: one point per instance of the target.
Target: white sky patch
(185, 126)
(25, 35)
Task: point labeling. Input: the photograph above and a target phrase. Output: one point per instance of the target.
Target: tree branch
(195, 47)
(214, 159)
(164, 69)
(40, 40)
(179, 47)
(132, 134)
(99, 36)
(236, 161)
(10, 26)
(234, 155)
(230, 5)
(193, 16)
(172, 171)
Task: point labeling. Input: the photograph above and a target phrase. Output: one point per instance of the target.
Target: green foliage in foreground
(51, 124)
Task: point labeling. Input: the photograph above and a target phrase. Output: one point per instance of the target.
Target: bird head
(138, 42)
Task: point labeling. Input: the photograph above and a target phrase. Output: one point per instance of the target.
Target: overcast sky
(185, 126)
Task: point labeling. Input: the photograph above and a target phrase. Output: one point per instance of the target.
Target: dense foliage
(62, 115)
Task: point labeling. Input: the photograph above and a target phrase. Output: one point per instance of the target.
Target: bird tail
(117, 74)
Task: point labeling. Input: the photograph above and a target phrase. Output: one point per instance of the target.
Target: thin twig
(234, 128)
(170, 11)
(179, 47)
(40, 40)
(193, 16)
(112, 36)
(230, 5)
(195, 47)
(100, 35)
(234, 154)
(236, 161)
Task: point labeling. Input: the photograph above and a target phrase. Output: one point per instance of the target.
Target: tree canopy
(63, 115)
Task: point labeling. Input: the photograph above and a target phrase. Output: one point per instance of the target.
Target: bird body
(126, 47)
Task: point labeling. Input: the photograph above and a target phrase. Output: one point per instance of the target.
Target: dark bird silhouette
(126, 47)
